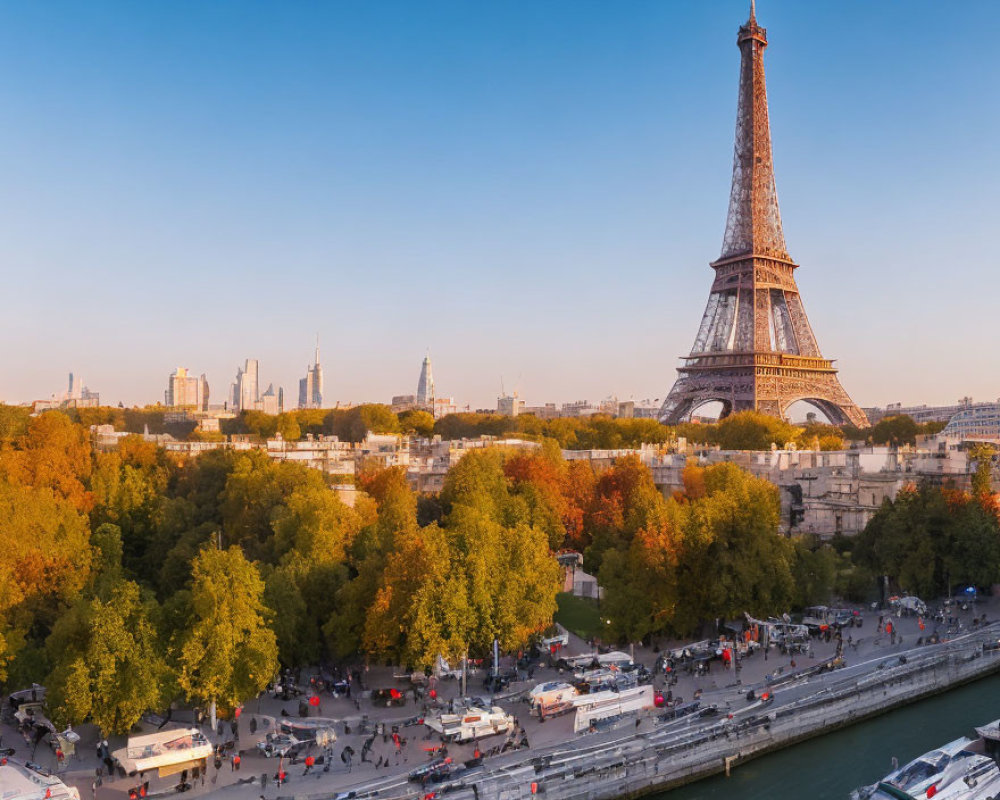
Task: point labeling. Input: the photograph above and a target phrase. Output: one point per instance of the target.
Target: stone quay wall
(687, 749)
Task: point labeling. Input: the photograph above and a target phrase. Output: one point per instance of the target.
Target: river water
(829, 767)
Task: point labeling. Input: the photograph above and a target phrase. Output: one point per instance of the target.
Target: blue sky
(533, 191)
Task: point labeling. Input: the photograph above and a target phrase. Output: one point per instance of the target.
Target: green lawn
(578, 614)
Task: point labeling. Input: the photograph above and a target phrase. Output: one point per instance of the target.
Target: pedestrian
(236, 761)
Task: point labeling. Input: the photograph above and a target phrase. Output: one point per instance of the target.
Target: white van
(473, 723)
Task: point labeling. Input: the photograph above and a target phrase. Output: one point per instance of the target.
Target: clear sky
(531, 190)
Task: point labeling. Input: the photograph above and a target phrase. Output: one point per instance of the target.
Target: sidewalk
(420, 745)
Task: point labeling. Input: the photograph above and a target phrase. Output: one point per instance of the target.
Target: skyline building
(311, 386)
(245, 390)
(272, 402)
(186, 391)
(755, 349)
(425, 386)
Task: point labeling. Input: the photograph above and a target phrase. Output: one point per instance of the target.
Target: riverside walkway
(631, 757)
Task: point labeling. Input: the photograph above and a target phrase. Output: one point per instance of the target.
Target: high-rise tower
(311, 386)
(425, 386)
(755, 349)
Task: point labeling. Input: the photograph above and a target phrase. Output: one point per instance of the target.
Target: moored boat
(965, 769)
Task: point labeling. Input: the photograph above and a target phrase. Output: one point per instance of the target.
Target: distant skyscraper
(246, 389)
(74, 388)
(311, 386)
(425, 386)
(186, 391)
(271, 401)
(509, 405)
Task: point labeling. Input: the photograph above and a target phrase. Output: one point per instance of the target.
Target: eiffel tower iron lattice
(755, 349)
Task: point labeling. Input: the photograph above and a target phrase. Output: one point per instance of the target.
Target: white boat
(965, 769)
(167, 751)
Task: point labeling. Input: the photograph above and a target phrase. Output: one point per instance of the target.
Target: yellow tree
(228, 653)
(44, 562)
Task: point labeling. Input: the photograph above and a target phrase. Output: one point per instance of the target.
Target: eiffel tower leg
(733, 389)
(826, 393)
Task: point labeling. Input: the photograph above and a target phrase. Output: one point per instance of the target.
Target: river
(829, 767)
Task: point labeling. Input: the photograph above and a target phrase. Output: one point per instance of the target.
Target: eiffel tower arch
(755, 349)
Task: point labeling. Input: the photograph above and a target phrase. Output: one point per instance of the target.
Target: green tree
(982, 479)
(417, 421)
(368, 555)
(640, 582)
(228, 653)
(814, 571)
(928, 538)
(750, 430)
(255, 490)
(109, 669)
(896, 430)
(288, 426)
(313, 532)
(732, 558)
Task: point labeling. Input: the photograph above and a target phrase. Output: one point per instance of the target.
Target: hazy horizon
(530, 192)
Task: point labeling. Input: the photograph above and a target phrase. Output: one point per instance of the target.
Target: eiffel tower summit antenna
(755, 349)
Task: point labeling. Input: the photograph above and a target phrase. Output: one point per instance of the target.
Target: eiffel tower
(755, 349)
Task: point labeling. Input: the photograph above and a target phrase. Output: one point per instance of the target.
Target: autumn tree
(13, 422)
(484, 572)
(228, 652)
(44, 564)
(624, 501)
(53, 453)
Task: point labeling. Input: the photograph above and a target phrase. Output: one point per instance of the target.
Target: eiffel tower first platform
(755, 349)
